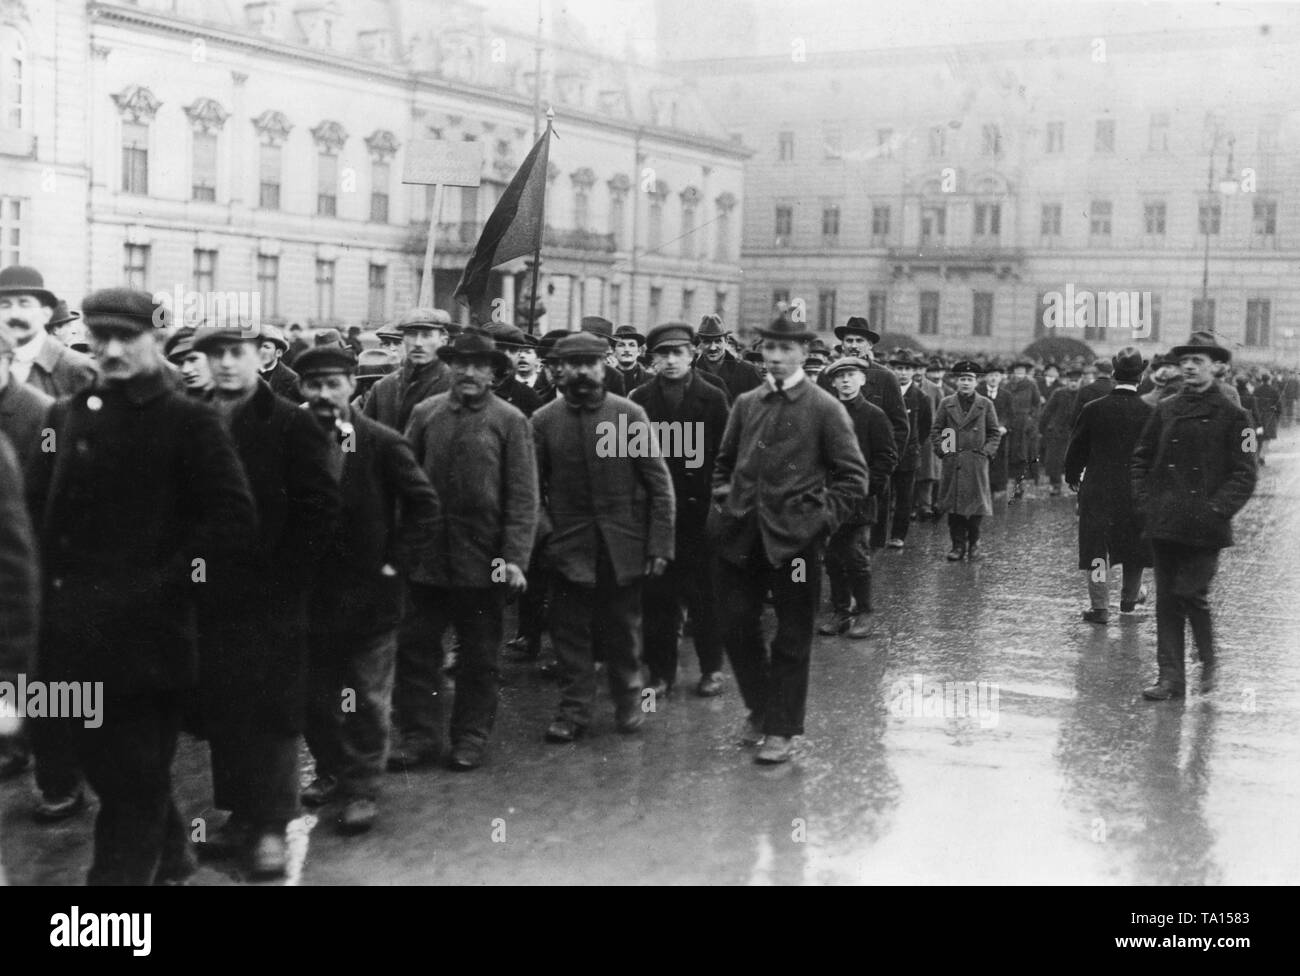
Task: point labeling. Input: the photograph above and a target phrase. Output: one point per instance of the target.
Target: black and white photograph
(651, 442)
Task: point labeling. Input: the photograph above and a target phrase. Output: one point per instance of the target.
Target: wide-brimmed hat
(20, 280)
(711, 327)
(782, 328)
(857, 325)
(629, 332)
(1128, 362)
(326, 359)
(847, 362)
(424, 318)
(474, 345)
(966, 366)
(670, 334)
(1205, 344)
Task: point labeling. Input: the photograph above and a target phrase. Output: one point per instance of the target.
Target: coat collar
(1187, 404)
(50, 353)
(140, 389)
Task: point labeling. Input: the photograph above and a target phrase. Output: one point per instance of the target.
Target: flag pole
(537, 254)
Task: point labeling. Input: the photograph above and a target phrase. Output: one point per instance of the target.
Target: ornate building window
(138, 106)
(207, 118)
(272, 130)
(382, 145)
(329, 137)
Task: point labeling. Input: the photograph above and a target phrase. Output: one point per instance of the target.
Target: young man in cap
(421, 375)
(386, 525)
(789, 472)
(848, 554)
(1054, 427)
(1193, 469)
(881, 388)
(253, 680)
(478, 453)
(1099, 455)
(192, 364)
(992, 389)
(927, 470)
(144, 498)
(607, 525)
(628, 346)
(40, 360)
(965, 435)
(679, 397)
(282, 380)
(895, 518)
(1021, 418)
(390, 341)
(739, 376)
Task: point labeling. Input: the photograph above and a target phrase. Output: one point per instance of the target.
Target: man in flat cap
(607, 525)
(192, 364)
(714, 359)
(678, 397)
(1054, 426)
(478, 452)
(391, 341)
(789, 472)
(1100, 454)
(1193, 470)
(386, 525)
(146, 504)
(965, 435)
(41, 360)
(253, 680)
(276, 374)
(421, 375)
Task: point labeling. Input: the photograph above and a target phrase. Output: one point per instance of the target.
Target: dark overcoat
(1021, 420)
(1054, 429)
(391, 400)
(1101, 454)
(19, 570)
(875, 439)
(738, 375)
(1268, 405)
(24, 411)
(966, 440)
(920, 418)
(883, 389)
(1193, 469)
(283, 382)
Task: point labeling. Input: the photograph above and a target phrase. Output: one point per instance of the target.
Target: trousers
(1183, 576)
(687, 583)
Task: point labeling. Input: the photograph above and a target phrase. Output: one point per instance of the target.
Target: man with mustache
(421, 375)
(386, 526)
(714, 360)
(478, 453)
(41, 360)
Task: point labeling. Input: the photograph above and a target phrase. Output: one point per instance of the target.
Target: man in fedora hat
(628, 346)
(1100, 455)
(386, 524)
(789, 472)
(282, 380)
(421, 375)
(1054, 426)
(1193, 469)
(677, 395)
(66, 326)
(145, 499)
(478, 453)
(607, 525)
(738, 375)
(598, 325)
(41, 360)
(965, 435)
(253, 672)
(895, 518)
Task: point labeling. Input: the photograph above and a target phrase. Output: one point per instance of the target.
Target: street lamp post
(1227, 187)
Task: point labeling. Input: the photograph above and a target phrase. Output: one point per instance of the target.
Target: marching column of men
(256, 555)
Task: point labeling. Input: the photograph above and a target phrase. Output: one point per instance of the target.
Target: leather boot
(862, 594)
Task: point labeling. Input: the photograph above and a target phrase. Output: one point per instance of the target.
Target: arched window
(14, 81)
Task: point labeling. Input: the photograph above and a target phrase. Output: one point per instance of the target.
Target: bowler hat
(1128, 363)
(20, 280)
(596, 325)
(62, 316)
(629, 332)
(123, 308)
(847, 362)
(857, 325)
(326, 359)
(711, 327)
(424, 318)
(670, 334)
(782, 328)
(474, 345)
(323, 337)
(546, 344)
(1205, 344)
(580, 345)
(966, 366)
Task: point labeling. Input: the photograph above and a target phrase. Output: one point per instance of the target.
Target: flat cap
(847, 362)
(580, 345)
(424, 318)
(179, 344)
(966, 366)
(124, 308)
(670, 334)
(271, 333)
(325, 359)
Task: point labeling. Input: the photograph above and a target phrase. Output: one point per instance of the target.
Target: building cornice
(421, 83)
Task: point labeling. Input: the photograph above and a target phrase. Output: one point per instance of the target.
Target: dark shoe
(321, 790)
(895, 543)
(956, 554)
(14, 764)
(1095, 616)
(358, 816)
(1209, 676)
(465, 755)
(836, 622)
(54, 808)
(564, 730)
(775, 749)
(227, 840)
(410, 755)
(752, 734)
(1127, 607)
(269, 857)
(860, 627)
(1162, 691)
(661, 689)
(710, 685)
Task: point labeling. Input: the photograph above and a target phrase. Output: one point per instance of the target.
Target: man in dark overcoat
(1193, 470)
(19, 602)
(607, 524)
(146, 504)
(965, 435)
(1100, 455)
(714, 359)
(1021, 420)
(421, 375)
(1054, 426)
(478, 453)
(677, 395)
(896, 518)
(386, 525)
(788, 473)
(254, 666)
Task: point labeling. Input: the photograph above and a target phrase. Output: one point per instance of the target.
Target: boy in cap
(965, 435)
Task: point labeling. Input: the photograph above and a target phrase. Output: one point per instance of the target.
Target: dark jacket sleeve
(883, 459)
(1240, 483)
(519, 513)
(891, 401)
(417, 504)
(19, 570)
(314, 502)
(1144, 456)
(1076, 455)
(847, 480)
(728, 449)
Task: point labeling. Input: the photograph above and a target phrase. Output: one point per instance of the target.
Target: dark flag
(513, 230)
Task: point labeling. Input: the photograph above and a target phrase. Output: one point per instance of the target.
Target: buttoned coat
(875, 439)
(481, 461)
(1021, 420)
(1193, 468)
(623, 503)
(966, 441)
